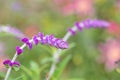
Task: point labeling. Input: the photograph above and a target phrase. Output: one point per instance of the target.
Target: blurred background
(93, 52)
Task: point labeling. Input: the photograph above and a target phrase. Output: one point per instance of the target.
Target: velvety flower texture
(88, 24)
(40, 38)
(79, 7)
(8, 63)
(110, 53)
(19, 50)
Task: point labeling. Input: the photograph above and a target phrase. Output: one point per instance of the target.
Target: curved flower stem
(13, 59)
(58, 43)
(56, 55)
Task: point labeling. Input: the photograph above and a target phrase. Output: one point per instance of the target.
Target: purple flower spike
(19, 50)
(71, 31)
(35, 40)
(26, 41)
(52, 41)
(78, 26)
(95, 23)
(89, 24)
(12, 30)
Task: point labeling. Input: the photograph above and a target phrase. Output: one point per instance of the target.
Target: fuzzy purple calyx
(19, 50)
(9, 63)
(16, 64)
(78, 26)
(27, 42)
(71, 31)
(35, 39)
(52, 41)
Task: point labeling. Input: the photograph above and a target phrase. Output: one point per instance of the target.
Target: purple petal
(25, 40)
(29, 45)
(7, 63)
(71, 31)
(35, 40)
(19, 50)
(78, 26)
(16, 64)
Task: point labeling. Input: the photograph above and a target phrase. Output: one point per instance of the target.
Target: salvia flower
(89, 24)
(36, 41)
(27, 42)
(12, 30)
(48, 40)
(52, 41)
(19, 50)
(44, 40)
(8, 63)
(16, 64)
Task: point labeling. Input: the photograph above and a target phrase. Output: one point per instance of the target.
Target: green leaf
(16, 68)
(27, 71)
(34, 67)
(76, 79)
(2, 75)
(60, 68)
(3, 34)
(19, 78)
(118, 70)
(7, 66)
(46, 48)
(46, 60)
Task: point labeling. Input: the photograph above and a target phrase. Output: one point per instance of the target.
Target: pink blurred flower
(31, 30)
(2, 67)
(16, 6)
(110, 53)
(2, 57)
(117, 5)
(81, 7)
(114, 29)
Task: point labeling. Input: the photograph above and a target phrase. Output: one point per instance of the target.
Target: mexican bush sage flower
(8, 63)
(12, 30)
(52, 41)
(19, 50)
(88, 24)
(40, 38)
(44, 40)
